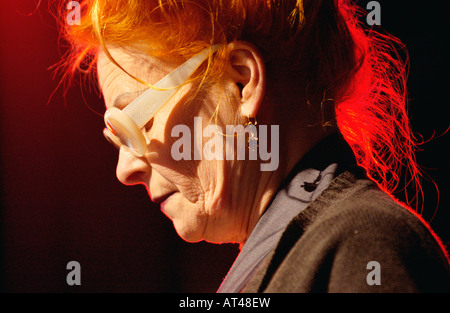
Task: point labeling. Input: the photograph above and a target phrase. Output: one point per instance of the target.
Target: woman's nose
(131, 170)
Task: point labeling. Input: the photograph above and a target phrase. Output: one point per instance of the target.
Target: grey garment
(287, 203)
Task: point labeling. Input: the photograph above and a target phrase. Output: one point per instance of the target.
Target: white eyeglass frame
(124, 127)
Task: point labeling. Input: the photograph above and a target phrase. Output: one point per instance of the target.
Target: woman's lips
(163, 203)
(163, 199)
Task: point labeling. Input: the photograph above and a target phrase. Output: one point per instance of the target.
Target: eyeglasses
(123, 127)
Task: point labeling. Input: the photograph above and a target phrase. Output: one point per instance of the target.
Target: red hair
(316, 41)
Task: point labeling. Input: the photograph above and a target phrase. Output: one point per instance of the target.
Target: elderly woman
(279, 125)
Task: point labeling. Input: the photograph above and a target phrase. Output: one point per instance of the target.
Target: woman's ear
(246, 69)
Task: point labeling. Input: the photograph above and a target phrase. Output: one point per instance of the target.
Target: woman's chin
(186, 220)
(188, 233)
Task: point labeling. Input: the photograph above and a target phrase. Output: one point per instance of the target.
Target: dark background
(61, 200)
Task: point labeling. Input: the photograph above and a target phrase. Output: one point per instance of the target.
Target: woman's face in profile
(192, 193)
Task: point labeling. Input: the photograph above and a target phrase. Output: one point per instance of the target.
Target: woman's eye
(148, 125)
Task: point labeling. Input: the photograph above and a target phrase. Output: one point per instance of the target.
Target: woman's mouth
(163, 199)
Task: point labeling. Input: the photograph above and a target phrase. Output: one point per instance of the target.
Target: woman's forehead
(115, 82)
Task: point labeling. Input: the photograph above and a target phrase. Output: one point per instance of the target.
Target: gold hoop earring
(250, 121)
(253, 135)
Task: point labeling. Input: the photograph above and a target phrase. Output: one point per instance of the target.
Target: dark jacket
(354, 238)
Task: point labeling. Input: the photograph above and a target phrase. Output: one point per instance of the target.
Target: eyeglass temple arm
(143, 108)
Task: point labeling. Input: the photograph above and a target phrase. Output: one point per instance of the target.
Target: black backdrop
(60, 198)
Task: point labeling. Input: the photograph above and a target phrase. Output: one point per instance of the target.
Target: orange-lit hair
(316, 41)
